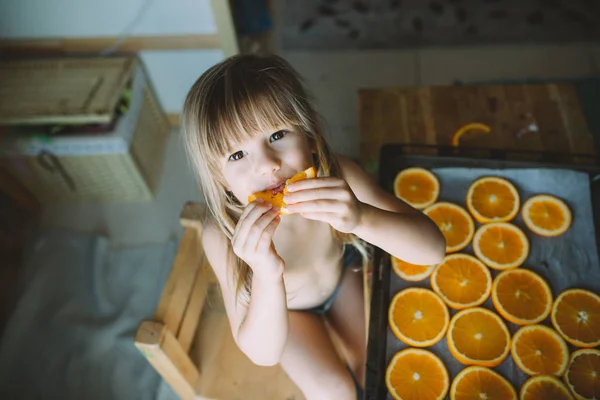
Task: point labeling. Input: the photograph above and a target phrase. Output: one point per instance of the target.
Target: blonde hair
(231, 102)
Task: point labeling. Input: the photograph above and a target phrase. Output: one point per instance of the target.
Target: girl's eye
(277, 135)
(238, 155)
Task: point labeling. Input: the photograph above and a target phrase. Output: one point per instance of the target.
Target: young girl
(249, 126)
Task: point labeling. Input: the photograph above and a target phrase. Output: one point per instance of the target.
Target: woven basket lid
(62, 90)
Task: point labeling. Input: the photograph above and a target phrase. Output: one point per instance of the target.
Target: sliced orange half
(583, 374)
(456, 224)
(418, 317)
(537, 349)
(417, 374)
(417, 186)
(493, 199)
(545, 387)
(501, 245)
(477, 336)
(521, 296)
(462, 281)
(576, 316)
(546, 215)
(411, 272)
(479, 383)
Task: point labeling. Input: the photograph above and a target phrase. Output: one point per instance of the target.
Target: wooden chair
(189, 341)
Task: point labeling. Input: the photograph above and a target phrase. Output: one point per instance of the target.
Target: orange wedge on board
(474, 126)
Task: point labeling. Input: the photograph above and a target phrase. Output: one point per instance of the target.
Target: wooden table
(431, 115)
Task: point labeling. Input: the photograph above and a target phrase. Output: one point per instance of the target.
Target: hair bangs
(241, 112)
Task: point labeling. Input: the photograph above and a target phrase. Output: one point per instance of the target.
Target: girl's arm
(260, 328)
(262, 334)
(390, 223)
(410, 236)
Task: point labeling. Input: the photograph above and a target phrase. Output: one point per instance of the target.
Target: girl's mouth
(278, 189)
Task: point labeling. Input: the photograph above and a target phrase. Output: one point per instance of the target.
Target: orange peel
(473, 126)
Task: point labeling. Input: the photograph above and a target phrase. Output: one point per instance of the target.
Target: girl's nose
(268, 164)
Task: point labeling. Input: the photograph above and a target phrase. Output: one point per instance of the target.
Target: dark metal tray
(397, 157)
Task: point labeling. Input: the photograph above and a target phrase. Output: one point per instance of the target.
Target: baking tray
(395, 157)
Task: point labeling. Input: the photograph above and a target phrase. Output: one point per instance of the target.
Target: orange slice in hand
(476, 383)
(417, 186)
(462, 281)
(410, 272)
(576, 316)
(583, 374)
(418, 317)
(521, 296)
(477, 336)
(493, 199)
(545, 387)
(501, 245)
(275, 197)
(455, 223)
(546, 215)
(537, 349)
(417, 374)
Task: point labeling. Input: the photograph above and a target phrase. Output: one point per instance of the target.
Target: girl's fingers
(331, 219)
(332, 193)
(314, 183)
(243, 226)
(258, 228)
(249, 208)
(265, 239)
(318, 206)
(245, 213)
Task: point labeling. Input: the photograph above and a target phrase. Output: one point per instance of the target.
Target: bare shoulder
(216, 248)
(351, 171)
(361, 184)
(367, 190)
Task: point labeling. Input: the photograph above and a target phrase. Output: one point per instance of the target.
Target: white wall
(81, 18)
(172, 72)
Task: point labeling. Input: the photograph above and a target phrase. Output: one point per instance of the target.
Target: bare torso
(313, 260)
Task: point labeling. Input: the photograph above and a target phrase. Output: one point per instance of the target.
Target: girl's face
(265, 161)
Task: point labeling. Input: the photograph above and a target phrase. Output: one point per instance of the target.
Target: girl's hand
(252, 240)
(325, 199)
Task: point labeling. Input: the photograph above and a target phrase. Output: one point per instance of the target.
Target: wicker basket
(123, 165)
